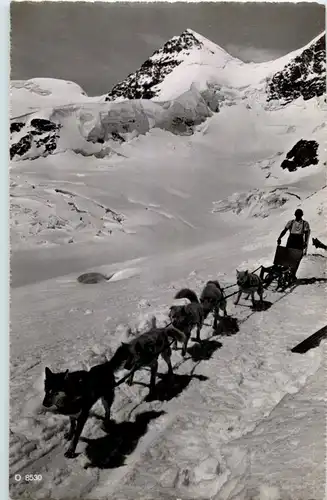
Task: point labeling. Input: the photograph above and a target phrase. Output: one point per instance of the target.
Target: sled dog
(212, 299)
(188, 316)
(248, 283)
(144, 350)
(74, 393)
(318, 244)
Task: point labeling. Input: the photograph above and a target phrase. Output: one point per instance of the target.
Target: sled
(311, 342)
(283, 270)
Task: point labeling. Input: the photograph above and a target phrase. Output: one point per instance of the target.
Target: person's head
(298, 214)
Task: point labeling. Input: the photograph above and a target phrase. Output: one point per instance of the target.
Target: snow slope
(161, 210)
(161, 181)
(29, 95)
(188, 452)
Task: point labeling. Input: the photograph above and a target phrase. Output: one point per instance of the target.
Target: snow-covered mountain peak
(209, 47)
(191, 59)
(189, 48)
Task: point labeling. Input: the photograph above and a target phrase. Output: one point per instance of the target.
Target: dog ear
(66, 374)
(246, 272)
(48, 372)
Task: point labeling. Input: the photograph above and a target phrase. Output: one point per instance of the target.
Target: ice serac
(92, 129)
(304, 76)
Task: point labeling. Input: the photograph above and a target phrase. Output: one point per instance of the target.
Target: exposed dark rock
(21, 147)
(92, 278)
(43, 125)
(40, 133)
(139, 85)
(16, 126)
(303, 154)
(304, 76)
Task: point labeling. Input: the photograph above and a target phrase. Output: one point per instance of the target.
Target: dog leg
(198, 331)
(187, 336)
(129, 381)
(252, 298)
(81, 421)
(69, 434)
(166, 355)
(260, 293)
(107, 404)
(238, 297)
(215, 318)
(154, 369)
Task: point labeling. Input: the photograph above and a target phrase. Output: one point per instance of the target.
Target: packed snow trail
(186, 460)
(204, 417)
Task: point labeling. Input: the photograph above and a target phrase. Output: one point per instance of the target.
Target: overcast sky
(97, 44)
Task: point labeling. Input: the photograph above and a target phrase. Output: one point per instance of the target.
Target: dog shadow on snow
(258, 305)
(227, 326)
(170, 387)
(203, 351)
(310, 281)
(112, 450)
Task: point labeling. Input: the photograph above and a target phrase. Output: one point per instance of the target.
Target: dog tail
(175, 334)
(186, 293)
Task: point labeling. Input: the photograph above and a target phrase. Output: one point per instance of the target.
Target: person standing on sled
(299, 233)
(298, 240)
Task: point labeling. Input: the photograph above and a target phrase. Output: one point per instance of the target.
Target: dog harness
(250, 281)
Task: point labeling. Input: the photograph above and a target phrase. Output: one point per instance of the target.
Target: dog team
(73, 394)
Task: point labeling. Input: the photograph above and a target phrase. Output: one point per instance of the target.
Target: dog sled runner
(284, 268)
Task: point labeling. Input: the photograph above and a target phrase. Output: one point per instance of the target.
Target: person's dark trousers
(295, 241)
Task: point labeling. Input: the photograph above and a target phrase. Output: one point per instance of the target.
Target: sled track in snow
(131, 400)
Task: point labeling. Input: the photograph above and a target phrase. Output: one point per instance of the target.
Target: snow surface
(29, 95)
(247, 420)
